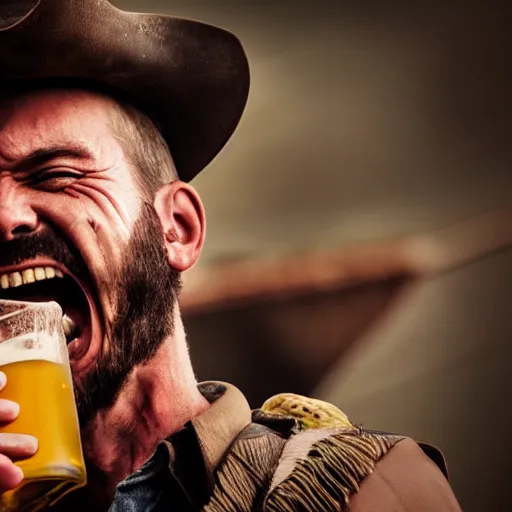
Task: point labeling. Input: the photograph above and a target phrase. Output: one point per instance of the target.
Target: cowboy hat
(192, 79)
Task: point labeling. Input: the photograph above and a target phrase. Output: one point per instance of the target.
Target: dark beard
(147, 289)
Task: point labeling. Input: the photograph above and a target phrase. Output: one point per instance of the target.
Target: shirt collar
(197, 450)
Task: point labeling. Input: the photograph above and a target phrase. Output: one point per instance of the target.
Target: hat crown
(13, 11)
(192, 78)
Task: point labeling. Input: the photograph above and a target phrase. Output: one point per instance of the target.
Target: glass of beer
(34, 356)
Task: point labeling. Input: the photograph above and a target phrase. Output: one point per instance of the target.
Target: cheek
(96, 223)
(107, 203)
(86, 228)
(101, 254)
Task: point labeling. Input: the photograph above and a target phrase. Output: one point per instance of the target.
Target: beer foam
(31, 331)
(32, 347)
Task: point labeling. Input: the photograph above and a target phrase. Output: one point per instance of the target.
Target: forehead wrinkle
(22, 153)
(44, 121)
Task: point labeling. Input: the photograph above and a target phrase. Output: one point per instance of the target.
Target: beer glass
(34, 356)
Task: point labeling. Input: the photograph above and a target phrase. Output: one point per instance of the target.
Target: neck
(158, 399)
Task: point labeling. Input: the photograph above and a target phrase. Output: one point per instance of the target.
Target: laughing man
(105, 118)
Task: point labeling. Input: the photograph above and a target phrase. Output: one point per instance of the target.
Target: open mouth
(44, 284)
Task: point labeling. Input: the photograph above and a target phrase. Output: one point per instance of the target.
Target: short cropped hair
(145, 147)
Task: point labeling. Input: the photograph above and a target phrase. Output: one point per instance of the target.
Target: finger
(3, 380)
(18, 446)
(10, 475)
(8, 410)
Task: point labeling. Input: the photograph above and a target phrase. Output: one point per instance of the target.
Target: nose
(17, 218)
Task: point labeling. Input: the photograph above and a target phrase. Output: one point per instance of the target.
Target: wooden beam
(413, 256)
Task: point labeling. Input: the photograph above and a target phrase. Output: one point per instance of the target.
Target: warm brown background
(371, 127)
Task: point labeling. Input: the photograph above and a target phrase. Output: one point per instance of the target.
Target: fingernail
(32, 443)
(3, 379)
(10, 409)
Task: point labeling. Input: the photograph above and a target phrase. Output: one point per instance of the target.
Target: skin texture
(86, 195)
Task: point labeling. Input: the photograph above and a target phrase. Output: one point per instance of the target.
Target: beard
(145, 288)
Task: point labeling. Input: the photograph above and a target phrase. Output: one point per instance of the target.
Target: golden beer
(34, 356)
(47, 411)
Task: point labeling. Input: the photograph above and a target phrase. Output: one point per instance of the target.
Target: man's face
(69, 204)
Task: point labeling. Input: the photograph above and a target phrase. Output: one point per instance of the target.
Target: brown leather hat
(191, 78)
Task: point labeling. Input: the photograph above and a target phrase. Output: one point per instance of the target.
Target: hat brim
(191, 78)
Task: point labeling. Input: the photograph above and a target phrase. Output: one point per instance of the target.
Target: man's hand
(12, 446)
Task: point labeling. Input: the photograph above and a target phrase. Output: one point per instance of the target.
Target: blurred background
(359, 243)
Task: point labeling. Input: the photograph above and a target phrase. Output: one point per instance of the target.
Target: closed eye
(54, 179)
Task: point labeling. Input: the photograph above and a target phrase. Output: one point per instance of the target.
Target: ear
(183, 222)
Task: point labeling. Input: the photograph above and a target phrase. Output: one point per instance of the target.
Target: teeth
(50, 272)
(15, 280)
(28, 276)
(40, 273)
